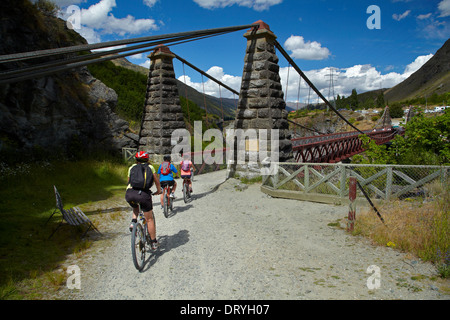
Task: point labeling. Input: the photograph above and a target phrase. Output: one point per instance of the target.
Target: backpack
(141, 177)
(185, 165)
(165, 168)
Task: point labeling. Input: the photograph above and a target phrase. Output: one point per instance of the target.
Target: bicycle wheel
(188, 191)
(138, 246)
(185, 192)
(166, 203)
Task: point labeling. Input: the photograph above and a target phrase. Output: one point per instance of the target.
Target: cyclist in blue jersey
(165, 171)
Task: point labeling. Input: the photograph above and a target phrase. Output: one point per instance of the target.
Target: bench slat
(67, 215)
(76, 217)
(81, 215)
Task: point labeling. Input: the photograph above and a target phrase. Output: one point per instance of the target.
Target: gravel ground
(232, 244)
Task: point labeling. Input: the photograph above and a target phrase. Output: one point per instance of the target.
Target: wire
(68, 64)
(205, 74)
(311, 85)
(78, 48)
(86, 57)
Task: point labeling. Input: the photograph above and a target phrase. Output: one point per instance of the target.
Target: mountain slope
(432, 77)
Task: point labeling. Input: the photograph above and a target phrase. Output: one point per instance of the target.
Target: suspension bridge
(261, 103)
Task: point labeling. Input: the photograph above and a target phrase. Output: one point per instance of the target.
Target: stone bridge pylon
(261, 107)
(261, 101)
(162, 110)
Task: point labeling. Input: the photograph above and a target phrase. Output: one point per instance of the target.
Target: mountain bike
(140, 240)
(186, 190)
(167, 201)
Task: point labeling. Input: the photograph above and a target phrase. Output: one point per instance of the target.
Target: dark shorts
(134, 198)
(167, 183)
(187, 176)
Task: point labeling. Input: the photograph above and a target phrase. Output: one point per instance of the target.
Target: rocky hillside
(432, 77)
(69, 113)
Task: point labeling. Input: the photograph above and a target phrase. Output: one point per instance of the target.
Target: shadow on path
(166, 243)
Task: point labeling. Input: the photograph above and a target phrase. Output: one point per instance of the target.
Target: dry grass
(414, 227)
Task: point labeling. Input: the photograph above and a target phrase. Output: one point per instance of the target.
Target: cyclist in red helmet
(141, 177)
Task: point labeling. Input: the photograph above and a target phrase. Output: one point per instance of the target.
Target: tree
(380, 100)
(354, 100)
(425, 142)
(396, 111)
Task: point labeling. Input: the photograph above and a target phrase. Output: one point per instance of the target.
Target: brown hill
(432, 77)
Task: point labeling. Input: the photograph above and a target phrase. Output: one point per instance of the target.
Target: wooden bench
(73, 216)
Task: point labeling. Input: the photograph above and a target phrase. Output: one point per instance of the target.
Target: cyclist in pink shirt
(186, 170)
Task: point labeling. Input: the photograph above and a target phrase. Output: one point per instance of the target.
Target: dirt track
(229, 244)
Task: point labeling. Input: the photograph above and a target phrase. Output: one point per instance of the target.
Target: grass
(28, 259)
(422, 229)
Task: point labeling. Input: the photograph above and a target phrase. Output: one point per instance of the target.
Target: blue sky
(318, 34)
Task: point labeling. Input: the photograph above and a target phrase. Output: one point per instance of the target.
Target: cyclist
(165, 171)
(186, 169)
(142, 195)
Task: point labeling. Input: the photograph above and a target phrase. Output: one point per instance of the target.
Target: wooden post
(351, 212)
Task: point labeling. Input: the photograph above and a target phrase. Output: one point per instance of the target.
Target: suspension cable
(88, 59)
(311, 85)
(90, 56)
(205, 74)
(186, 92)
(77, 48)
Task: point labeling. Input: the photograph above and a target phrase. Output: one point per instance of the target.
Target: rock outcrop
(69, 113)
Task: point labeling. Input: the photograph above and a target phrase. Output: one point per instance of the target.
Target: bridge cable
(90, 56)
(204, 101)
(287, 82)
(205, 74)
(87, 60)
(221, 105)
(186, 92)
(77, 48)
(286, 55)
(298, 93)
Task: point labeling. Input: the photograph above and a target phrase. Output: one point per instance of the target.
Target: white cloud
(136, 56)
(306, 50)
(211, 87)
(360, 77)
(424, 16)
(150, 3)
(401, 16)
(145, 64)
(258, 5)
(363, 78)
(417, 64)
(99, 17)
(444, 8)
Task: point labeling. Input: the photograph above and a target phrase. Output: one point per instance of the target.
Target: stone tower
(261, 101)
(162, 111)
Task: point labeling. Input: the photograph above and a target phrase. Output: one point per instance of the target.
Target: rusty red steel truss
(333, 148)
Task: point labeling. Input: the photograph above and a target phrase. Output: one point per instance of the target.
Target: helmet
(167, 158)
(141, 156)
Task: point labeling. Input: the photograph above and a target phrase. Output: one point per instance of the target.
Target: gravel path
(229, 244)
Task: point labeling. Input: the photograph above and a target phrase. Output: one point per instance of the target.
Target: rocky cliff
(69, 113)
